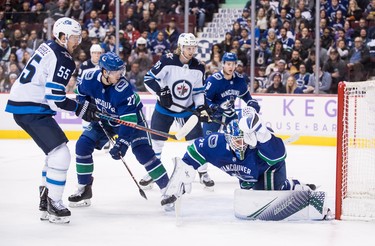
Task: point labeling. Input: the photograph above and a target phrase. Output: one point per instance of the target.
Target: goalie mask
(235, 138)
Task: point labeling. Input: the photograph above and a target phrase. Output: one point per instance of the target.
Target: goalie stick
(188, 126)
(291, 139)
(143, 194)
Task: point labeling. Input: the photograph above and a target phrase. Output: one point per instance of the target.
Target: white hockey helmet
(95, 48)
(187, 39)
(67, 26)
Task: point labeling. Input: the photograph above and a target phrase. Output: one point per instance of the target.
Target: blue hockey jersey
(118, 101)
(40, 88)
(215, 150)
(223, 92)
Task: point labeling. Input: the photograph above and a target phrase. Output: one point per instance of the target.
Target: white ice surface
(120, 216)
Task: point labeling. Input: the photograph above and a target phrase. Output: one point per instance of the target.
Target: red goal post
(355, 165)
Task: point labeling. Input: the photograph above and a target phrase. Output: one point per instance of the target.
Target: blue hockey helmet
(235, 138)
(229, 56)
(111, 62)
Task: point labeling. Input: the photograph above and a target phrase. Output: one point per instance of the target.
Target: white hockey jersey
(184, 80)
(40, 88)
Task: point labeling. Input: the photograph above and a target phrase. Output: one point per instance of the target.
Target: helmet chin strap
(65, 45)
(106, 80)
(182, 53)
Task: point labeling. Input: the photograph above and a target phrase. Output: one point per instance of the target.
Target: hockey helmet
(235, 138)
(187, 39)
(111, 62)
(95, 48)
(67, 26)
(228, 56)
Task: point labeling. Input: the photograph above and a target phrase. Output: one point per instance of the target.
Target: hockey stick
(143, 194)
(181, 133)
(196, 113)
(291, 139)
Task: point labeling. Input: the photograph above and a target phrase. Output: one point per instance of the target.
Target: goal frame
(350, 139)
(339, 151)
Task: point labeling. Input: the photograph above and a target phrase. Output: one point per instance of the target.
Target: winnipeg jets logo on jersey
(66, 53)
(181, 89)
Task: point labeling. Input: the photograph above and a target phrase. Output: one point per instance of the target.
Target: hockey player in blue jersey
(177, 79)
(35, 97)
(113, 95)
(222, 89)
(247, 150)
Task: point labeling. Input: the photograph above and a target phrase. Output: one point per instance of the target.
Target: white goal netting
(356, 151)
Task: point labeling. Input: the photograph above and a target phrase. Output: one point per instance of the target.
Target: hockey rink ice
(120, 216)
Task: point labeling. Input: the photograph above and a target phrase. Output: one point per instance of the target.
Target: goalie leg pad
(182, 175)
(280, 205)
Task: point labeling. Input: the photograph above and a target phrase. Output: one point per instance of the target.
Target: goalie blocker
(281, 205)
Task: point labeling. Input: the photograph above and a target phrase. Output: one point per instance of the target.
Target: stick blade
(143, 194)
(188, 126)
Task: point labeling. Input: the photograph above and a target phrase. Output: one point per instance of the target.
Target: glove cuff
(263, 134)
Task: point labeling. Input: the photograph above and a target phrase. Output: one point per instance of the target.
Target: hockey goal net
(355, 173)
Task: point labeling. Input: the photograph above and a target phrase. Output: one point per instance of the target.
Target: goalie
(249, 151)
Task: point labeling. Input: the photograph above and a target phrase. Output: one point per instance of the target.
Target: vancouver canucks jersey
(40, 88)
(223, 92)
(215, 149)
(184, 80)
(118, 101)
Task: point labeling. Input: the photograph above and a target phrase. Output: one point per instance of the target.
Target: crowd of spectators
(284, 38)
(285, 44)
(148, 29)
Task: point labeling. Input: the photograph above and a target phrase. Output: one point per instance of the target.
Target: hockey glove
(87, 111)
(254, 130)
(216, 109)
(120, 148)
(203, 114)
(165, 97)
(254, 104)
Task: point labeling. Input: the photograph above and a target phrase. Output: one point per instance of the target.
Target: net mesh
(358, 146)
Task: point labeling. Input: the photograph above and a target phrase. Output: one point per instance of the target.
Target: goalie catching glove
(253, 128)
(87, 111)
(120, 148)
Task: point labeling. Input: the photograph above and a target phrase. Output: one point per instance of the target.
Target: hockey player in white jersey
(93, 62)
(35, 97)
(177, 79)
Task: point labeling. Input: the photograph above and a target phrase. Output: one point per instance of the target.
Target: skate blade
(44, 216)
(209, 188)
(80, 204)
(169, 207)
(147, 187)
(59, 220)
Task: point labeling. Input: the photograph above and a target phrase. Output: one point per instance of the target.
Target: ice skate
(146, 183)
(57, 212)
(167, 202)
(43, 193)
(82, 196)
(205, 179)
